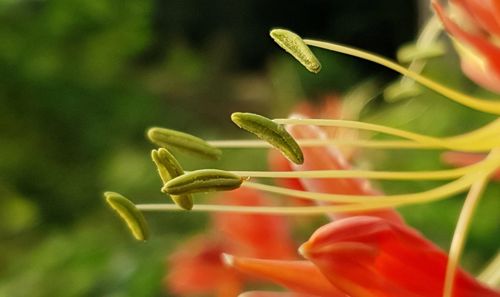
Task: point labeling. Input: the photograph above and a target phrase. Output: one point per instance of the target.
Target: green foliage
(81, 81)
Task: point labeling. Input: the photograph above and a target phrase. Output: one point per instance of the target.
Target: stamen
(464, 99)
(378, 144)
(205, 180)
(426, 43)
(460, 234)
(491, 163)
(361, 203)
(294, 45)
(406, 87)
(130, 215)
(368, 174)
(410, 52)
(271, 132)
(456, 143)
(437, 193)
(185, 142)
(169, 168)
(479, 140)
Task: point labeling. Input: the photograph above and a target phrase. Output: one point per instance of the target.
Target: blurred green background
(81, 80)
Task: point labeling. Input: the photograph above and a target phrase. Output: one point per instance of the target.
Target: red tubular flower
(196, 267)
(372, 257)
(476, 32)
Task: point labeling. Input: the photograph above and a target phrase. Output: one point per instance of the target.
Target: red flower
(476, 30)
(372, 257)
(299, 276)
(273, 294)
(365, 256)
(196, 266)
(369, 254)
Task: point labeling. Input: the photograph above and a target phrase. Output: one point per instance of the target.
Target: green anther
(275, 134)
(205, 180)
(409, 52)
(294, 45)
(169, 168)
(130, 214)
(185, 142)
(398, 91)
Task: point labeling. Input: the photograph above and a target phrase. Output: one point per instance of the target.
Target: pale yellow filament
(450, 143)
(470, 101)
(427, 37)
(378, 144)
(368, 174)
(360, 202)
(460, 233)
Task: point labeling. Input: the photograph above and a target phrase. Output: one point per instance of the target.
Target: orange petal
(254, 235)
(330, 158)
(298, 276)
(368, 256)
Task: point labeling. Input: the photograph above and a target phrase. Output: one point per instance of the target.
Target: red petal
(196, 269)
(262, 236)
(277, 162)
(368, 256)
(484, 14)
(488, 51)
(275, 294)
(299, 276)
(459, 159)
(330, 158)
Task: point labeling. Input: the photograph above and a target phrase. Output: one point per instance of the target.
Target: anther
(130, 214)
(275, 134)
(205, 180)
(185, 142)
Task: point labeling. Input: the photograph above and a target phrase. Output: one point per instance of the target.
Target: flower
(475, 28)
(290, 274)
(196, 266)
(368, 251)
(369, 256)
(363, 254)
